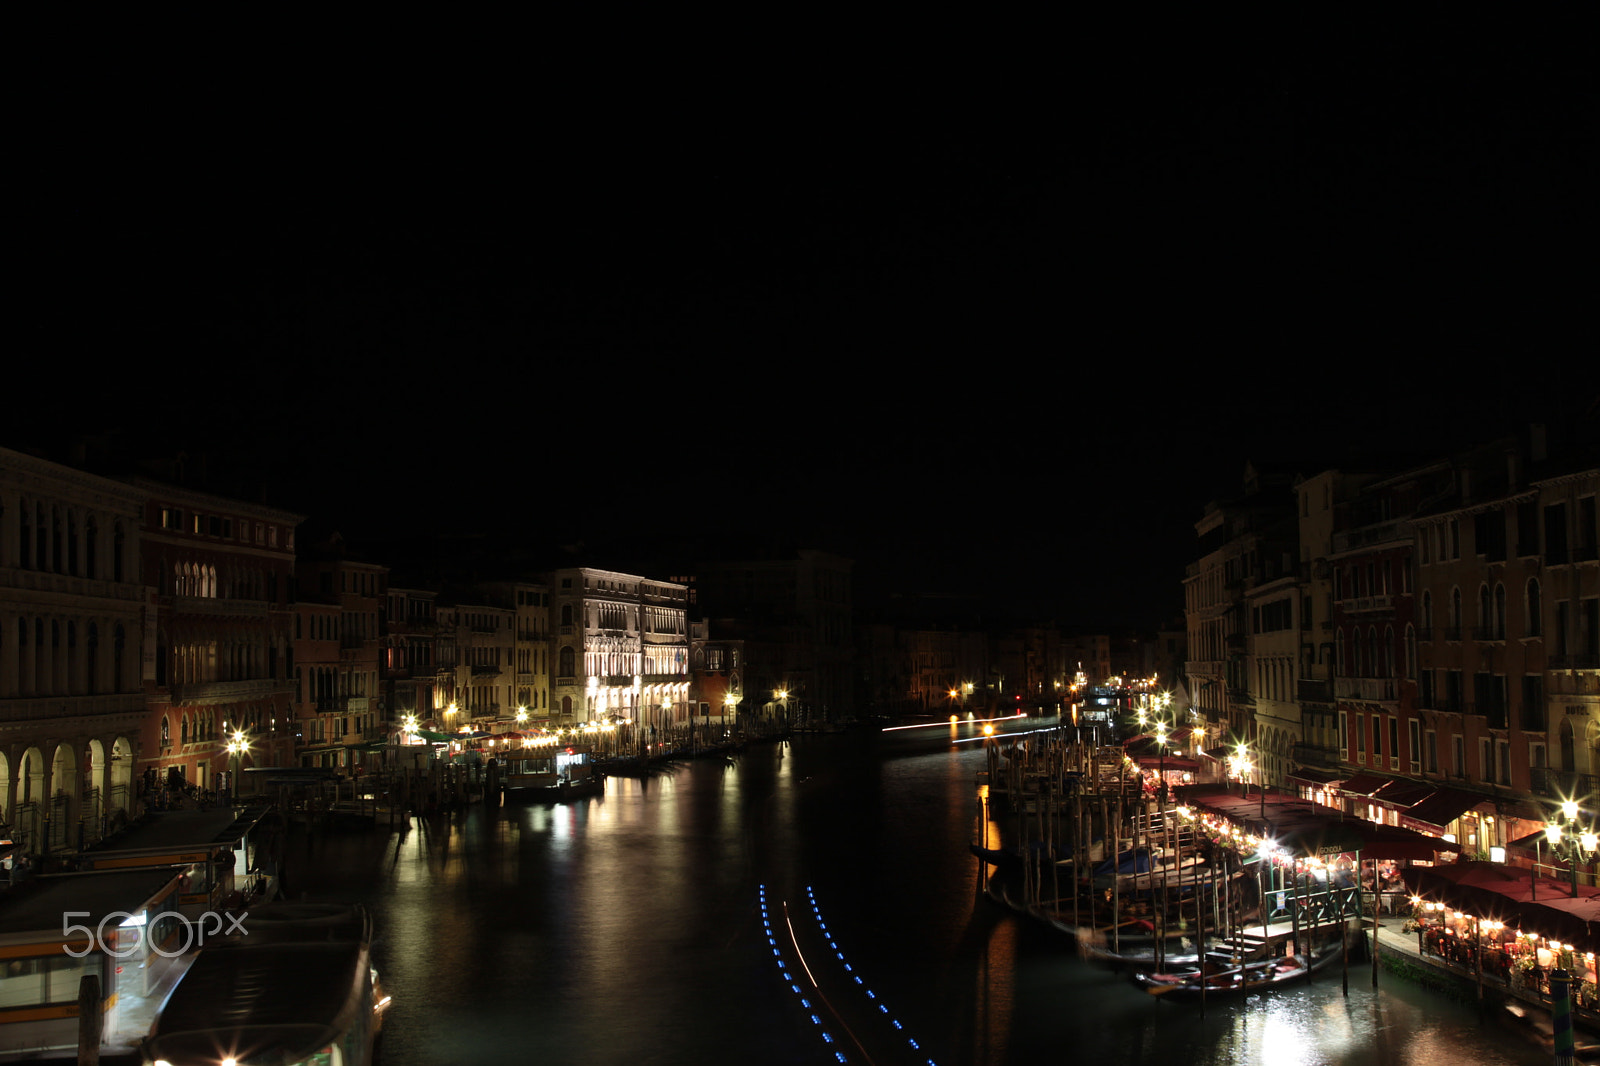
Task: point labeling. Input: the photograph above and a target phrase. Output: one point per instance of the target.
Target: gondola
(1215, 980)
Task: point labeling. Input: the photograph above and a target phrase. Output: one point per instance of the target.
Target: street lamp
(1569, 840)
(1161, 746)
(238, 745)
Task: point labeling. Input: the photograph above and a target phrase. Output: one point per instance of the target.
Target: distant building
(1244, 542)
(221, 577)
(476, 670)
(794, 616)
(338, 671)
(716, 684)
(621, 650)
(407, 659)
(72, 629)
(530, 601)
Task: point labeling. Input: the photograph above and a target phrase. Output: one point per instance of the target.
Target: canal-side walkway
(1527, 1007)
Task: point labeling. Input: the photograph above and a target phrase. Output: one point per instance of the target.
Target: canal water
(708, 914)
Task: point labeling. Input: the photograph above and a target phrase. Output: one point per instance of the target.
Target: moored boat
(552, 776)
(1213, 978)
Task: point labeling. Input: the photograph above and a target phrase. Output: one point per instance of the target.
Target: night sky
(1003, 361)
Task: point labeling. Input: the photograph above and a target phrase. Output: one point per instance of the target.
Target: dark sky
(1005, 357)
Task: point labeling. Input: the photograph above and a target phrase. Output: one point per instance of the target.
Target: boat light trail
(946, 724)
(1007, 736)
(816, 912)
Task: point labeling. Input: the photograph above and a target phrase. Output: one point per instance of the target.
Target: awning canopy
(1311, 775)
(1438, 810)
(1364, 784)
(1311, 829)
(1399, 794)
(1168, 763)
(1493, 890)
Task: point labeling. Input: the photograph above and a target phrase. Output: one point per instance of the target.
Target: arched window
(1411, 652)
(117, 540)
(1455, 612)
(1530, 622)
(91, 547)
(1485, 612)
(1374, 661)
(119, 647)
(1427, 612)
(1500, 612)
(1338, 651)
(568, 663)
(1388, 651)
(93, 662)
(166, 732)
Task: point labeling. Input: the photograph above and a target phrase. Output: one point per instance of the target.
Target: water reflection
(626, 929)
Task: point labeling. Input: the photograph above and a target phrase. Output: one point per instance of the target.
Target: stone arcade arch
(64, 798)
(119, 797)
(91, 810)
(28, 805)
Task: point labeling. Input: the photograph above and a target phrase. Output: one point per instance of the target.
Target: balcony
(1315, 755)
(207, 692)
(1575, 661)
(1309, 691)
(1563, 784)
(1367, 604)
(1392, 532)
(1372, 689)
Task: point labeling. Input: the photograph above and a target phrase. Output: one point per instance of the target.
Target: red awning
(1440, 809)
(1364, 784)
(1171, 762)
(1310, 775)
(1400, 794)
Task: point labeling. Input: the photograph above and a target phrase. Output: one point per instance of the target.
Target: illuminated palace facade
(72, 623)
(621, 650)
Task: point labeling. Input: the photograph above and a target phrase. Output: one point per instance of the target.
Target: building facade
(221, 579)
(72, 633)
(620, 646)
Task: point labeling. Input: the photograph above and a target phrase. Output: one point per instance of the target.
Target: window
(1504, 747)
(1527, 529)
(1555, 534)
(1533, 703)
(1530, 614)
(1485, 760)
(1394, 742)
(1459, 756)
(1415, 750)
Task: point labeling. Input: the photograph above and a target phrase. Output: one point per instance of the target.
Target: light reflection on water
(624, 929)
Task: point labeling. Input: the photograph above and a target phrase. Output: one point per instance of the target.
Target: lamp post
(1569, 840)
(238, 744)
